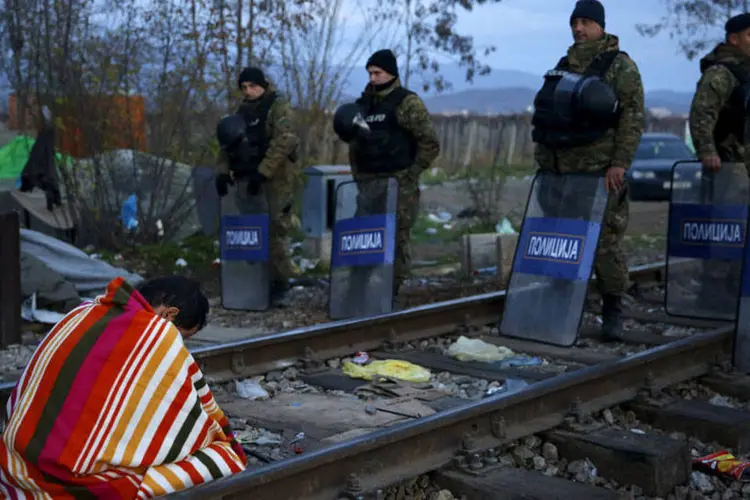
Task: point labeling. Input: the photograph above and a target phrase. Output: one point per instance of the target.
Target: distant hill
(517, 100)
(502, 91)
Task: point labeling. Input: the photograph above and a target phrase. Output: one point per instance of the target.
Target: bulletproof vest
(732, 117)
(248, 155)
(574, 110)
(389, 147)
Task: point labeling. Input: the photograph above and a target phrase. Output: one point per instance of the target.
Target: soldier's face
(585, 30)
(378, 76)
(252, 90)
(741, 40)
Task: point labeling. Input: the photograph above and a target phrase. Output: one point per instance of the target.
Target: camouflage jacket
(617, 148)
(282, 142)
(411, 114)
(713, 92)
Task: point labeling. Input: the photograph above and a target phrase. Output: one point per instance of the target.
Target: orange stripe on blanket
(127, 411)
(168, 421)
(105, 436)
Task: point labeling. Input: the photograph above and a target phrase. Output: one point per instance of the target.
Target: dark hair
(181, 292)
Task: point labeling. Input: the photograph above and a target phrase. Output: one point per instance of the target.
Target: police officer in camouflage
(268, 166)
(717, 125)
(402, 143)
(606, 146)
(718, 110)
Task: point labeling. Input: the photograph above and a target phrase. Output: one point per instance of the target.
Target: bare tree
(695, 24)
(429, 32)
(317, 61)
(87, 74)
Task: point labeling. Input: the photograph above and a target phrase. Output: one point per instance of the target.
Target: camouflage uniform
(616, 149)
(713, 95)
(414, 117)
(280, 167)
(713, 92)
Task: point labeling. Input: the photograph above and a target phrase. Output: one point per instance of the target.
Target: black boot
(397, 300)
(279, 291)
(612, 317)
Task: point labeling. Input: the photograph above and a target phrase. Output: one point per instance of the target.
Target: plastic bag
(466, 349)
(401, 370)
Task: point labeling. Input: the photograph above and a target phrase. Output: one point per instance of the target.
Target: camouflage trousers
(373, 198)
(558, 197)
(274, 198)
(611, 264)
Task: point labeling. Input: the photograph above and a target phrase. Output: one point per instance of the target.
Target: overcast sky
(531, 35)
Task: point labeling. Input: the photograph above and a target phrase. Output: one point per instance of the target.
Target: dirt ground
(646, 218)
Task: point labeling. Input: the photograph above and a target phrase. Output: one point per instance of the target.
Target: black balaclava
(589, 9)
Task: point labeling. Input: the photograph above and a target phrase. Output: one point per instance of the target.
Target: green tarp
(15, 154)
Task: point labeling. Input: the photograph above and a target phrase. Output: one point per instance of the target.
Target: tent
(15, 154)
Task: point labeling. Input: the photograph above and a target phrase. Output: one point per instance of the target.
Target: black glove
(254, 182)
(223, 181)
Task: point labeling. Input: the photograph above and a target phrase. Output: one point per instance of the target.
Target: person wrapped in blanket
(112, 404)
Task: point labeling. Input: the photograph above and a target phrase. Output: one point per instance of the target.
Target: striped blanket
(112, 405)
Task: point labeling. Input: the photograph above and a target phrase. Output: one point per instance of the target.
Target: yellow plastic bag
(466, 349)
(401, 370)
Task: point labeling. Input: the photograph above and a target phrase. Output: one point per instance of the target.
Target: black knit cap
(738, 23)
(253, 75)
(385, 60)
(589, 9)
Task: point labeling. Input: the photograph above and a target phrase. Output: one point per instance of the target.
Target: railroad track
(406, 450)
(326, 340)
(431, 443)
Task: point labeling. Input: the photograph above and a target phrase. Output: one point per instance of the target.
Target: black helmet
(348, 122)
(230, 130)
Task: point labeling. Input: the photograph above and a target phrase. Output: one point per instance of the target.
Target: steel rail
(276, 351)
(406, 450)
(340, 338)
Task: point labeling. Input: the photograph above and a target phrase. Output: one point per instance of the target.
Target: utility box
(319, 197)
(319, 206)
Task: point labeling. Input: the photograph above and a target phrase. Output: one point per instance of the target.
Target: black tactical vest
(732, 116)
(389, 147)
(555, 131)
(248, 155)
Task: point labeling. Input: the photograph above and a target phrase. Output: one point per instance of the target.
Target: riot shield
(363, 248)
(243, 241)
(741, 354)
(705, 240)
(554, 258)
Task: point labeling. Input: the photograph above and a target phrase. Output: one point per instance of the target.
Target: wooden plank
(477, 251)
(635, 337)
(35, 203)
(574, 354)
(332, 380)
(727, 426)
(505, 246)
(660, 317)
(651, 461)
(736, 385)
(317, 415)
(10, 284)
(476, 369)
(517, 484)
